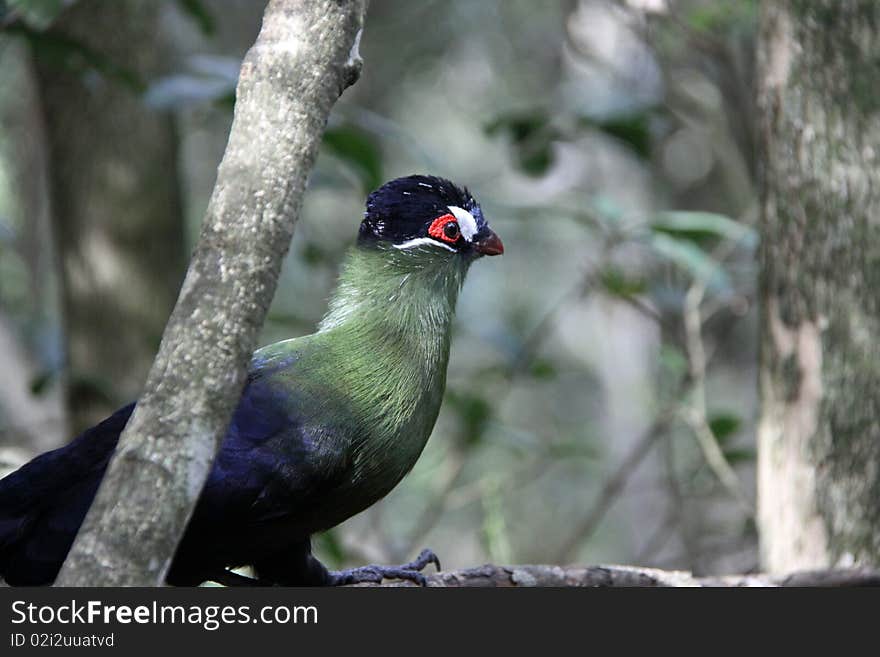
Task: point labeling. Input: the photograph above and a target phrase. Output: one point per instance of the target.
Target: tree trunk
(303, 59)
(117, 212)
(33, 420)
(819, 431)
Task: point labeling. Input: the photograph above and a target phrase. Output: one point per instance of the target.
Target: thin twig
(611, 489)
(695, 414)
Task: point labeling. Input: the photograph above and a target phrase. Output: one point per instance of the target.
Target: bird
(327, 424)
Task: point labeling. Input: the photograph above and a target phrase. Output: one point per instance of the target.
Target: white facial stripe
(418, 241)
(466, 221)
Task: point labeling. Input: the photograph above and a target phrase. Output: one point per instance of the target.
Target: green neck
(388, 328)
(412, 292)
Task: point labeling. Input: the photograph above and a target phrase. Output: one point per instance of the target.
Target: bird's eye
(445, 228)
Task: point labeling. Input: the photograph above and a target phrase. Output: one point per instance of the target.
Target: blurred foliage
(701, 227)
(715, 17)
(199, 13)
(474, 413)
(610, 146)
(64, 52)
(36, 14)
(208, 79)
(532, 134)
(617, 282)
(631, 129)
(532, 138)
(359, 150)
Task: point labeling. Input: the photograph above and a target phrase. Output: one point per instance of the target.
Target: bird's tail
(43, 503)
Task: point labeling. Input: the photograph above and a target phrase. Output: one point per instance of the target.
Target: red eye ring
(445, 228)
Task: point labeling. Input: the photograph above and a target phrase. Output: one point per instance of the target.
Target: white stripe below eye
(418, 241)
(466, 221)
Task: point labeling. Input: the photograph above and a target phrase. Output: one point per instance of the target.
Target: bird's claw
(375, 573)
(425, 557)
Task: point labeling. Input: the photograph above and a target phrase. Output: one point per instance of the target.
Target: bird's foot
(374, 573)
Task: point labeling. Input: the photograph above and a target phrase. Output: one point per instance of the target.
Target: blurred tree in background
(819, 436)
(116, 210)
(601, 401)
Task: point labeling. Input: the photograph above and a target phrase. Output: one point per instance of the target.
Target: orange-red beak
(488, 243)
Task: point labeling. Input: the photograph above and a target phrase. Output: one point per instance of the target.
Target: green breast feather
(373, 375)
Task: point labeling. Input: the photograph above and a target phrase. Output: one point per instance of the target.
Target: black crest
(402, 209)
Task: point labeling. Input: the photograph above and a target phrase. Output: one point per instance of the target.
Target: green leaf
(740, 455)
(543, 369)
(41, 382)
(38, 14)
(724, 425)
(358, 149)
(200, 14)
(572, 449)
(698, 226)
(63, 52)
(691, 258)
(716, 17)
(631, 129)
(617, 283)
(474, 413)
(519, 125)
(672, 360)
(532, 138)
(536, 161)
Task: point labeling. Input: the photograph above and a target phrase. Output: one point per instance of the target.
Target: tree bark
(303, 59)
(819, 431)
(491, 575)
(117, 215)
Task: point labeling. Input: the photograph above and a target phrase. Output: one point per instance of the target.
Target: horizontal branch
(627, 576)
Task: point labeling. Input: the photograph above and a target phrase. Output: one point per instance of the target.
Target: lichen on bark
(819, 434)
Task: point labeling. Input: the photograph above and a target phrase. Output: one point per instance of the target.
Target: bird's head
(426, 214)
(416, 242)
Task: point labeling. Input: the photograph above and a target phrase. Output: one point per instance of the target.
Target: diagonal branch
(303, 59)
(612, 489)
(695, 415)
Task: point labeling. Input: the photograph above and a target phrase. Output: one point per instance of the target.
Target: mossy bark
(819, 432)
